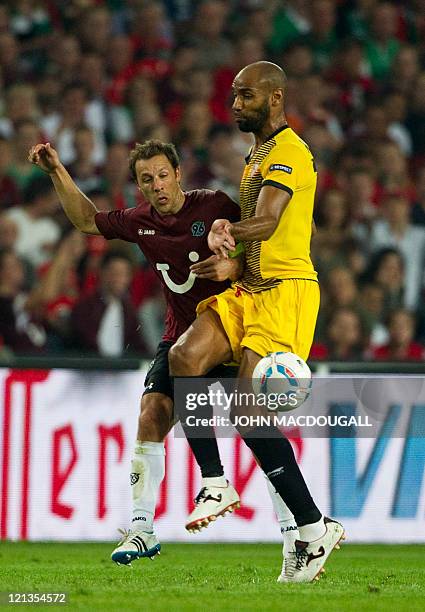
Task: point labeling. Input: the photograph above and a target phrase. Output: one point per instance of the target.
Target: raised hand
(45, 157)
(220, 240)
(217, 268)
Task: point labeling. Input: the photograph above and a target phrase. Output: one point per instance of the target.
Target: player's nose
(237, 105)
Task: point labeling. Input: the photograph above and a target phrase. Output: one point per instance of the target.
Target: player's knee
(156, 417)
(184, 360)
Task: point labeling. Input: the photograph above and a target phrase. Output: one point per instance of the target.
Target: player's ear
(178, 174)
(277, 97)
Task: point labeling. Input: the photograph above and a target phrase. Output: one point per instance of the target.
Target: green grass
(215, 577)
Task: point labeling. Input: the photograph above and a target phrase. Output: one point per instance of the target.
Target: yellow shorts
(278, 319)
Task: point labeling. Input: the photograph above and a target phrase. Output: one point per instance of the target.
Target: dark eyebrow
(146, 173)
(243, 89)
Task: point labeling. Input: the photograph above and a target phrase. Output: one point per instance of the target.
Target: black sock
(276, 458)
(202, 441)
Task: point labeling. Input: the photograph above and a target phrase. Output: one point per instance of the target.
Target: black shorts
(158, 378)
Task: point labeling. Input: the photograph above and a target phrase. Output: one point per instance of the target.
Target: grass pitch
(214, 577)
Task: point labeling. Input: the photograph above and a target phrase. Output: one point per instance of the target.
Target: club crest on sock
(134, 478)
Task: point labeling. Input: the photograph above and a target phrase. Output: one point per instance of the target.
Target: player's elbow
(86, 226)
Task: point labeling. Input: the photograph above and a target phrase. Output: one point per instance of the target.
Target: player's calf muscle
(155, 419)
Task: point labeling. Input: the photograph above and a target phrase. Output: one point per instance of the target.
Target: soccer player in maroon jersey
(170, 226)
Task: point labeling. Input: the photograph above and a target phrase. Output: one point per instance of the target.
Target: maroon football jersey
(172, 243)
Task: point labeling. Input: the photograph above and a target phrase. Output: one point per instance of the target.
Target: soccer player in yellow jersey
(274, 306)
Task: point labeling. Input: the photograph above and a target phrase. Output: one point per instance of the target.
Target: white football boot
(212, 501)
(305, 562)
(135, 544)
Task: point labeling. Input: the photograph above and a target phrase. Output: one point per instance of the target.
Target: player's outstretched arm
(78, 208)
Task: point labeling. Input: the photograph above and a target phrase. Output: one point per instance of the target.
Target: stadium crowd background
(94, 77)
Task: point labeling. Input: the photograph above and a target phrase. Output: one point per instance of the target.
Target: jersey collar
(275, 133)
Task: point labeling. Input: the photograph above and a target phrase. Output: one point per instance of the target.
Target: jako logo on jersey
(146, 232)
(198, 229)
(188, 284)
(282, 167)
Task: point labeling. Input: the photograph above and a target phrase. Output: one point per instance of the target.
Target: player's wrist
(56, 170)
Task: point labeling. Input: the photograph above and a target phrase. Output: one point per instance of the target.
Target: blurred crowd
(93, 77)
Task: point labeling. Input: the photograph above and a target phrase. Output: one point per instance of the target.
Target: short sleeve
(282, 167)
(116, 224)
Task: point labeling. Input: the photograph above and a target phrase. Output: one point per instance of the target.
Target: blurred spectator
(194, 129)
(382, 44)
(401, 345)
(418, 209)
(20, 326)
(386, 269)
(94, 29)
(208, 34)
(322, 38)
(22, 315)
(65, 57)
(62, 288)
(9, 192)
(372, 298)
(345, 337)
(21, 171)
(13, 68)
(341, 288)
(332, 220)
(312, 92)
(392, 168)
(223, 165)
(405, 69)
(116, 179)
(395, 105)
(84, 170)
(340, 292)
(105, 322)
(37, 232)
(395, 230)
(363, 194)
(415, 121)
(348, 75)
(358, 18)
(291, 20)
(76, 110)
(152, 35)
(298, 60)
(131, 117)
(21, 105)
(119, 66)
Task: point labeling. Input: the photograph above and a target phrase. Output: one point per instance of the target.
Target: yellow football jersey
(283, 161)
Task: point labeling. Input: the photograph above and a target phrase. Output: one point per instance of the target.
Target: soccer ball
(285, 374)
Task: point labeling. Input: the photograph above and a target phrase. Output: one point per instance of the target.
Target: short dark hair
(149, 149)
